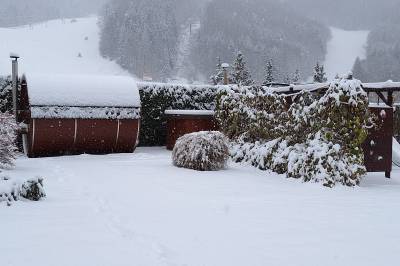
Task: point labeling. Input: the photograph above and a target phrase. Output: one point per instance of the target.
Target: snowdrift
(396, 153)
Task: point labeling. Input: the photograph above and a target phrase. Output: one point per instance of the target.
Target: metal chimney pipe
(14, 58)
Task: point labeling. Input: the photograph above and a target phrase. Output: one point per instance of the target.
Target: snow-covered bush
(202, 151)
(8, 146)
(251, 113)
(316, 138)
(15, 189)
(320, 160)
(158, 97)
(32, 189)
(5, 94)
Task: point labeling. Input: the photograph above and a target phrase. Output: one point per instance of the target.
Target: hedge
(314, 139)
(157, 97)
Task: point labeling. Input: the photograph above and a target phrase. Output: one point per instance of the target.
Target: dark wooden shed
(181, 122)
(78, 114)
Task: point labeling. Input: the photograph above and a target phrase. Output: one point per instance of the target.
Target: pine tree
(269, 73)
(7, 140)
(218, 78)
(359, 71)
(286, 79)
(319, 74)
(296, 77)
(240, 74)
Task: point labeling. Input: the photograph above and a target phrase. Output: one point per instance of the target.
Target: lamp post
(225, 67)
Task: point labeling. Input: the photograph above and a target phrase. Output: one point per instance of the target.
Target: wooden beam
(390, 98)
(383, 98)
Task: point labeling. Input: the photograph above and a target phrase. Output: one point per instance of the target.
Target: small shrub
(13, 189)
(202, 151)
(32, 189)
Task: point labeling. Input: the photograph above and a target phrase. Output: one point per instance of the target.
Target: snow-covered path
(57, 46)
(137, 209)
(343, 49)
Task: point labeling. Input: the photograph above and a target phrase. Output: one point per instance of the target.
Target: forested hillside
(383, 51)
(345, 14)
(142, 36)
(261, 30)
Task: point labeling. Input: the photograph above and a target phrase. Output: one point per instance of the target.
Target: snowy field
(57, 46)
(343, 50)
(137, 209)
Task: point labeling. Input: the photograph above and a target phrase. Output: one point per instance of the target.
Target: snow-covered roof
(82, 90)
(379, 105)
(190, 112)
(307, 87)
(382, 85)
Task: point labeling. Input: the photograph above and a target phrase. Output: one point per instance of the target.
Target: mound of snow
(56, 46)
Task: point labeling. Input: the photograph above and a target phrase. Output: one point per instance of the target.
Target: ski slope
(57, 46)
(188, 34)
(343, 49)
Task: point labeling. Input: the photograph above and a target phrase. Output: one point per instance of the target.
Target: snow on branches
(5, 94)
(13, 189)
(202, 151)
(305, 136)
(8, 147)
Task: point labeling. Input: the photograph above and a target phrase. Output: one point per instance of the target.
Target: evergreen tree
(218, 78)
(240, 74)
(359, 71)
(296, 77)
(269, 73)
(319, 74)
(8, 148)
(141, 36)
(286, 79)
(6, 102)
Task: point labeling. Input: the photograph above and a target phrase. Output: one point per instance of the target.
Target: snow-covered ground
(57, 46)
(396, 152)
(343, 49)
(138, 209)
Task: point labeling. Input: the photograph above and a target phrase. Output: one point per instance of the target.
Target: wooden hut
(181, 122)
(66, 114)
